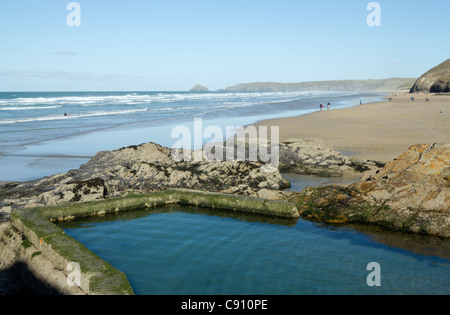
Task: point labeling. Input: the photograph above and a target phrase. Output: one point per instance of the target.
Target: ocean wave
(282, 101)
(136, 98)
(74, 116)
(30, 108)
(154, 101)
(76, 100)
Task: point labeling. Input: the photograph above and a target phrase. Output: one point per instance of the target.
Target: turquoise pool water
(178, 250)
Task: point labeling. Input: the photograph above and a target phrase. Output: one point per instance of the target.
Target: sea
(43, 133)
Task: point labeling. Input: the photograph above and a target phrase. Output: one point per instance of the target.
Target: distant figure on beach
(360, 102)
(328, 106)
(65, 114)
(321, 106)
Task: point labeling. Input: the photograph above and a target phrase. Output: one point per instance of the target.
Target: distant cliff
(342, 85)
(437, 80)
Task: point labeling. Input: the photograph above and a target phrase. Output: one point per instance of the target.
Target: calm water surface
(180, 250)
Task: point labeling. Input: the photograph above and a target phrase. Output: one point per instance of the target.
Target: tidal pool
(179, 250)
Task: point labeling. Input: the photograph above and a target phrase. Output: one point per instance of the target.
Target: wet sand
(378, 131)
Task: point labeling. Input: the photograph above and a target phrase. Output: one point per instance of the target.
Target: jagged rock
(316, 157)
(410, 194)
(80, 191)
(303, 156)
(417, 179)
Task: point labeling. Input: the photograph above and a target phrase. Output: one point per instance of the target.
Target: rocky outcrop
(417, 179)
(150, 167)
(316, 157)
(410, 194)
(199, 88)
(145, 168)
(437, 80)
(305, 156)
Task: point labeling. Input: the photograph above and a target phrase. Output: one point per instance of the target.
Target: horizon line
(218, 90)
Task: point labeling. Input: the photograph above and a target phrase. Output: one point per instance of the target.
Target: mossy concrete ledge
(97, 276)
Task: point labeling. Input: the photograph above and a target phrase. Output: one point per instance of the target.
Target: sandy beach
(378, 131)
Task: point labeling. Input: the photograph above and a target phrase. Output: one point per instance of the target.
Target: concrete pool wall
(96, 276)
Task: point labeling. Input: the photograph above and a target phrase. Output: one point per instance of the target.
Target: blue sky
(172, 45)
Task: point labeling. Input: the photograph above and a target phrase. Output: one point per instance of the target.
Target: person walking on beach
(321, 106)
(328, 106)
